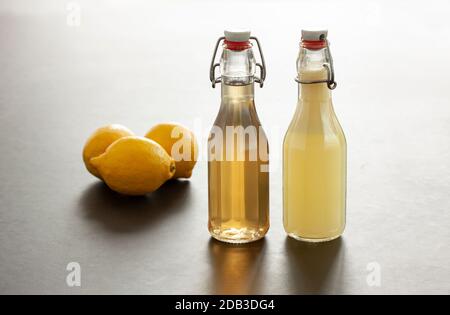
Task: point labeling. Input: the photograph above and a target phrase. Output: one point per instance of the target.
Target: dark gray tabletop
(138, 64)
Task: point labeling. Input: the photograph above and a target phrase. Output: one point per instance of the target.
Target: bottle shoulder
(237, 114)
(312, 128)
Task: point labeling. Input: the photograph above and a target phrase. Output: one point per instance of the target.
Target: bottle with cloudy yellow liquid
(315, 150)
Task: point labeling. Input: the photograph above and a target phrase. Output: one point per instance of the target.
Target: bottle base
(237, 236)
(313, 240)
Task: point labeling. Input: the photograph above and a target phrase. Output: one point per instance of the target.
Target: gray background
(139, 63)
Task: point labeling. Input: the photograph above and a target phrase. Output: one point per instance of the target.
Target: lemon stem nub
(173, 168)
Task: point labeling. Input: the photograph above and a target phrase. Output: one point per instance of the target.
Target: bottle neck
(314, 106)
(317, 92)
(238, 94)
(310, 68)
(314, 100)
(237, 106)
(237, 67)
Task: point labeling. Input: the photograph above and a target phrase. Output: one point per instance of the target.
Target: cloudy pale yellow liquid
(238, 189)
(314, 167)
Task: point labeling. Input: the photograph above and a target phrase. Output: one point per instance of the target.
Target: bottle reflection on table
(235, 268)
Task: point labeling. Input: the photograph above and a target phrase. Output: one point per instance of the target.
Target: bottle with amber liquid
(315, 150)
(238, 163)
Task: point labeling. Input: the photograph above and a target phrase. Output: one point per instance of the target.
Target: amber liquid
(238, 182)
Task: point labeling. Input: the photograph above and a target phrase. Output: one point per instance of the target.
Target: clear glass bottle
(315, 150)
(238, 165)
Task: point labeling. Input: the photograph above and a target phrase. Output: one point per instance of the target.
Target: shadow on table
(235, 268)
(127, 214)
(314, 268)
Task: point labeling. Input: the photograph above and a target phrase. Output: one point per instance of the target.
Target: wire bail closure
(262, 67)
(330, 70)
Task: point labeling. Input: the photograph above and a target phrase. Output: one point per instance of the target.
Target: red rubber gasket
(237, 45)
(314, 44)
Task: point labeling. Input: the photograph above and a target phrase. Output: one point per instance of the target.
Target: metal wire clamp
(330, 71)
(262, 67)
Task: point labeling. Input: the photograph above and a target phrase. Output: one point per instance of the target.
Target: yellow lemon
(99, 141)
(180, 143)
(134, 166)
